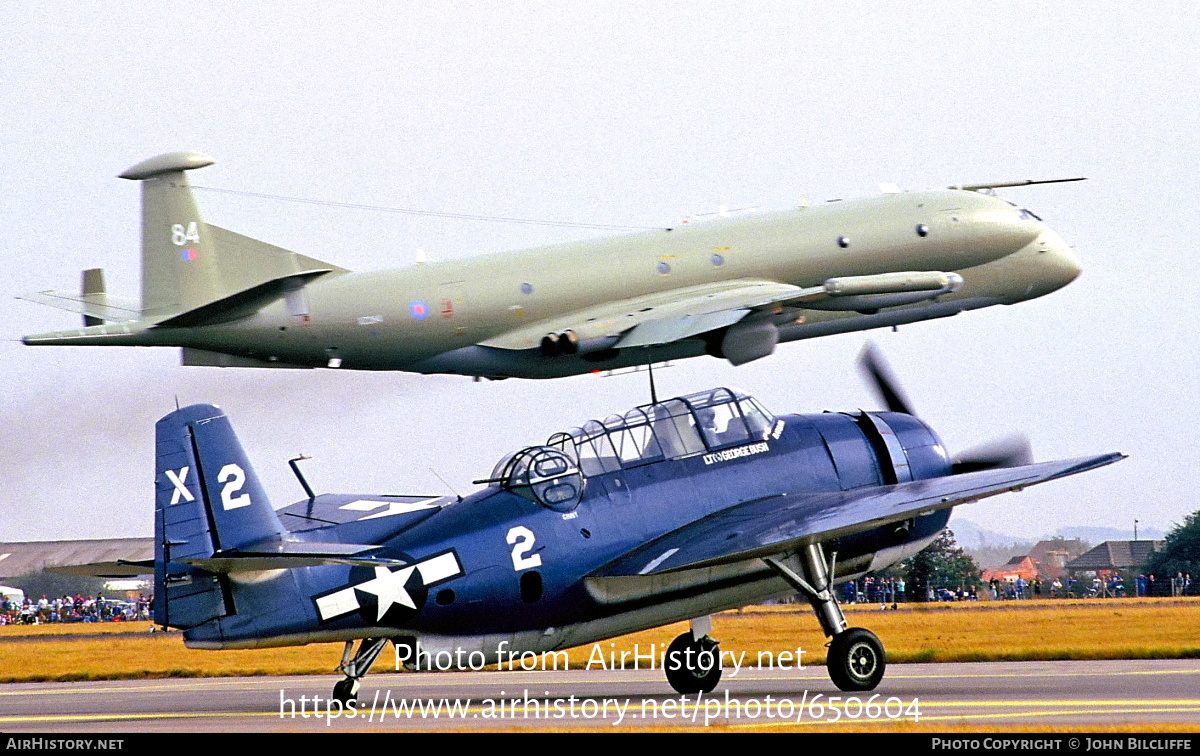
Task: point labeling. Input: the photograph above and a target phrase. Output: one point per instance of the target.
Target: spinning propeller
(1009, 451)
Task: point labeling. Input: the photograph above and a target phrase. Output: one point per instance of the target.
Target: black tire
(694, 679)
(345, 691)
(856, 660)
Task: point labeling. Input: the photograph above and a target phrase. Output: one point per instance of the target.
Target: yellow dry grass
(77, 628)
(985, 631)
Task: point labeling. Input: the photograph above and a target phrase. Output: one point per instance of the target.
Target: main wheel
(856, 660)
(346, 690)
(695, 672)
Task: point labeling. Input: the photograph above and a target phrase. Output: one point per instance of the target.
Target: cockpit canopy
(542, 474)
(692, 424)
(554, 475)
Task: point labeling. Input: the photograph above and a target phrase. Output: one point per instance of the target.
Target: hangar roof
(22, 558)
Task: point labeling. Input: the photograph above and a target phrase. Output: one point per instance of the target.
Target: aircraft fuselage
(513, 570)
(485, 315)
(428, 318)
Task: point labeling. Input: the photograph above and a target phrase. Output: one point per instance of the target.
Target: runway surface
(1010, 694)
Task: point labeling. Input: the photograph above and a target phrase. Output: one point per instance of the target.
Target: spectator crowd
(72, 609)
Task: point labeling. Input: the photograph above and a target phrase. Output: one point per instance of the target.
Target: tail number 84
(181, 235)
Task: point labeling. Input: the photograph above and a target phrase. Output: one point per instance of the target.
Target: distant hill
(971, 534)
(1096, 536)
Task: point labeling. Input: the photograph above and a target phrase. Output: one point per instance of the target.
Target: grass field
(984, 631)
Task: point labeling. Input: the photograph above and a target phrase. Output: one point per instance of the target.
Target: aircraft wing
(658, 318)
(667, 316)
(778, 524)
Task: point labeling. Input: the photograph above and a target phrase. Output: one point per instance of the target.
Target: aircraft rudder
(207, 500)
(180, 514)
(200, 460)
(183, 597)
(179, 267)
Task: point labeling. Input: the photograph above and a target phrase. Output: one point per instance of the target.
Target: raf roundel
(419, 310)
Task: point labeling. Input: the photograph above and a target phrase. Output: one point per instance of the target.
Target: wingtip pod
(171, 162)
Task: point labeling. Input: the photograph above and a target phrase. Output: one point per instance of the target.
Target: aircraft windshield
(673, 429)
(543, 474)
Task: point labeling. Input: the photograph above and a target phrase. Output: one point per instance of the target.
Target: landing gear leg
(855, 660)
(693, 662)
(357, 667)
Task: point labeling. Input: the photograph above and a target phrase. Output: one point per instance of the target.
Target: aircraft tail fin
(208, 501)
(188, 264)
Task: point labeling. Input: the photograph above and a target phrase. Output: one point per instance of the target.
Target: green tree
(941, 564)
(1181, 551)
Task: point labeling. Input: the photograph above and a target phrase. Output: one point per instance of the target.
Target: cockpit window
(543, 474)
(596, 453)
(634, 439)
(673, 429)
(758, 420)
(722, 426)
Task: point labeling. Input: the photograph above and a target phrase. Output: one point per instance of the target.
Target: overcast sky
(629, 113)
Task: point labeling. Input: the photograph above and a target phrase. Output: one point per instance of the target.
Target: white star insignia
(388, 588)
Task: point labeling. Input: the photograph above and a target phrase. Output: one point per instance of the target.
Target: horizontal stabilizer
(284, 555)
(105, 307)
(779, 524)
(122, 568)
(241, 562)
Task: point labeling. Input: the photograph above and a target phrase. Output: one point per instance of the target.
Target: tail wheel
(856, 660)
(693, 666)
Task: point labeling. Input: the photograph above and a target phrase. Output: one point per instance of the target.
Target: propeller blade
(881, 378)
(1010, 451)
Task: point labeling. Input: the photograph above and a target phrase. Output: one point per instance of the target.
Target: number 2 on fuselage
(522, 539)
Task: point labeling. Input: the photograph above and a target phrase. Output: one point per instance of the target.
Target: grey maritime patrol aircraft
(731, 288)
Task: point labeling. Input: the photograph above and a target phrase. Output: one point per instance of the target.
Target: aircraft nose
(1060, 266)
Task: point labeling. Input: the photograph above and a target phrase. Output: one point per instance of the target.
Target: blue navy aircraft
(671, 511)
